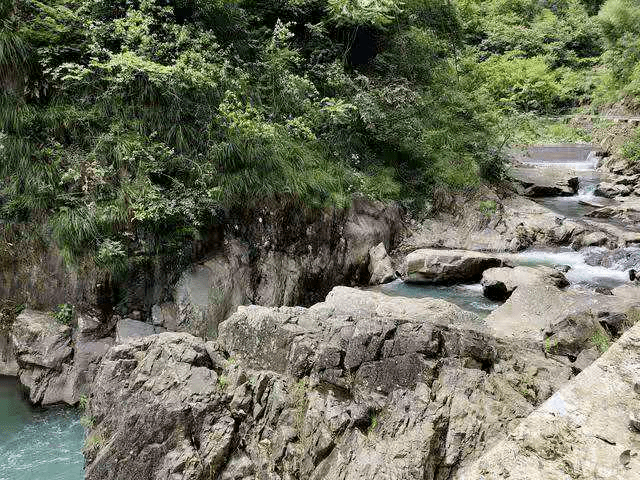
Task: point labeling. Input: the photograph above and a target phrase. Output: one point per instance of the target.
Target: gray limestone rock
(380, 266)
(448, 266)
(499, 283)
(128, 329)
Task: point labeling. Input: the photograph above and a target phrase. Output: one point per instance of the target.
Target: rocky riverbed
(496, 339)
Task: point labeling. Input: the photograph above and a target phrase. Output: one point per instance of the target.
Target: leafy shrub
(631, 149)
(64, 314)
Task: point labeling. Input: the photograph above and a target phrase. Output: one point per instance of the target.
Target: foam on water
(581, 272)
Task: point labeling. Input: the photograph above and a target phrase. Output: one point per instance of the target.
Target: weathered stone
(560, 322)
(448, 266)
(581, 429)
(499, 283)
(8, 362)
(164, 315)
(184, 416)
(611, 190)
(128, 329)
(586, 358)
(385, 340)
(380, 266)
(284, 261)
(546, 182)
(594, 239)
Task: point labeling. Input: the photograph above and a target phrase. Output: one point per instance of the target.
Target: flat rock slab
(546, 182)
(448, 266)
(582, 431)
(127, 329)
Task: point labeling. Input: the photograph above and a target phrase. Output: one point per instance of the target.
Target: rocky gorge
(279, 354)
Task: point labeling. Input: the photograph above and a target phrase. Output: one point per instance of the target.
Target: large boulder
(417, 396)
(448, 266)
(499, 283)
(380, 266)
(582, 431)
(611, 190)
(546, 182)
(560, 322)
(56, 363)
(356, 335)
(44, 351)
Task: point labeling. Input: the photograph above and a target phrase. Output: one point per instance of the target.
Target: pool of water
(467, 297)
(38, 444)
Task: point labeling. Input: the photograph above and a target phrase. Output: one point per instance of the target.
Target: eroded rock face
(357, 387)
(448, 266)
(380, 266)
(8, 363)
(289, 261)
(499, 283)
(357, 336)
(55, 362)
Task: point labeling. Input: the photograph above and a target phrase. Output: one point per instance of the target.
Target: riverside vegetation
(131, 126)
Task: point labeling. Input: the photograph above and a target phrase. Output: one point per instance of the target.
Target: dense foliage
(150, 117)
(139, 122)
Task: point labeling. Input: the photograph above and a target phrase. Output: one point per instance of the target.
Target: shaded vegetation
(130, 127)
(138, 123)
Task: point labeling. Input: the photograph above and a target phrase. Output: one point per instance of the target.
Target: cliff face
(278, 254)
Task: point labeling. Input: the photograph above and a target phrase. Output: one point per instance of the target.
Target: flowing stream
(38, 444)
(589, 268)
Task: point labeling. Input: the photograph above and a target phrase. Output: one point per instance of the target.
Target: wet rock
(380, 266)
(128, 329)
(594, 239)
(562, 268)
(611, 190)
(604, 291)
(448, 266)
(499, 283)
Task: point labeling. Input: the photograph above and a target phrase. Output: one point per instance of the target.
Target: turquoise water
(467, 297)
(38, 444)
